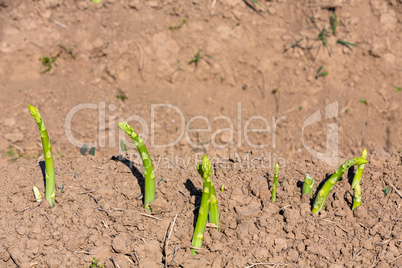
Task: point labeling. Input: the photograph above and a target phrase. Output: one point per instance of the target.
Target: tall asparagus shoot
(149, 174)
(213, 207)
(50, 191)
(205, 171)
(330, 183)
(308, 185)
(273, 198)
(357, 200)
(213, 201)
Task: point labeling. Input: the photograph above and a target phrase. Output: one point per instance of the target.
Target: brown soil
(99, 214)
(125, 48)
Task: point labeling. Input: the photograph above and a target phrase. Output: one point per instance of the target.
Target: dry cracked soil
(248, 83)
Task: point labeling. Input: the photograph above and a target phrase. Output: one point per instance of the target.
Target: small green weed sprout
(386, 189)
(95, 263)
(346, 44)
(122, 96)
(172, 28)
(48, 63)
(334, 23)
(319, 73)
(68, 50)
(196, 58)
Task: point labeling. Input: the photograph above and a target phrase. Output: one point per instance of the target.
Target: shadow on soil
(137, 174)
(198, 193)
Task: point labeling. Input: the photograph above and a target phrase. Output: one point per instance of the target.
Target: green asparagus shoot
(149, 175)
(358, 176)
(357, 200)
(398, 88)
(308, 185)
(205, 171)
(273, 198)
(363, 101)
(330, 183)
(213, 207)
(50, 192)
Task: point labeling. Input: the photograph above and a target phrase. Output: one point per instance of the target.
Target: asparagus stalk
(357, 200)
(205, 170)
(330, 183)
(149, 175)
(213, 207)
(213, 212)
(50, 191)
(308, 185)
(273, 198)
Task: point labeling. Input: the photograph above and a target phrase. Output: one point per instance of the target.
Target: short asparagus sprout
(273, 198)
(149, 175)
(330, 183)
(38, 196)
(308, 185)
(357, 200)
(205, 171)
(50, 191)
